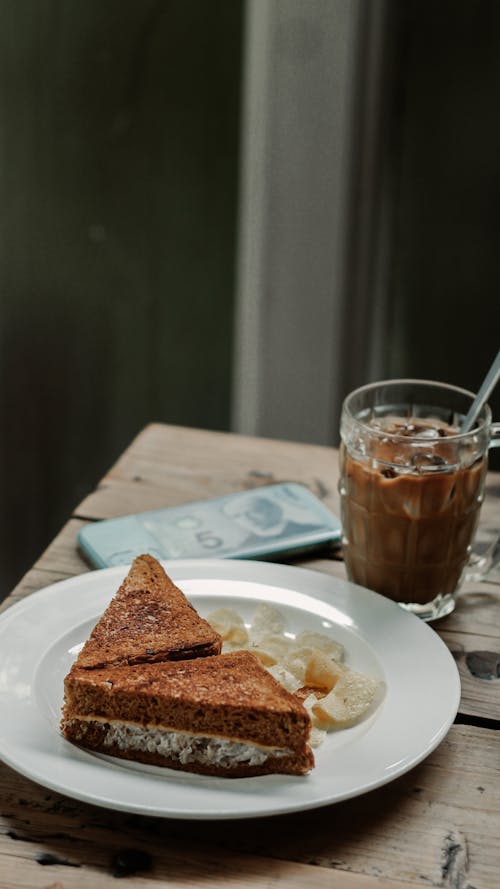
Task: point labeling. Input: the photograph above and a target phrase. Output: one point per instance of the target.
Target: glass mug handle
(495, 435)
(480, 565)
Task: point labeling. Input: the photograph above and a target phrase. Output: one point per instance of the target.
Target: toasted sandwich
(223, 715)
(149, 619)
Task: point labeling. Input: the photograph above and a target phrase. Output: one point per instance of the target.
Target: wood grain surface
(438, 825)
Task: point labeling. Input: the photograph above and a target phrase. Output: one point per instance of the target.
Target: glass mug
(411, 488)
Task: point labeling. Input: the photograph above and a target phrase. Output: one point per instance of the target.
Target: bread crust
(148, 620)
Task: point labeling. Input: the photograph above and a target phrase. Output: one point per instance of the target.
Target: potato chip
(310, 702)
(229, 624)
(296, 662)
(275, 647)
(313, 666)
(321, 671)
(267, 621)
(266, 659)
(287, 680)
(317, 735)
(308, 639)
(347, 702)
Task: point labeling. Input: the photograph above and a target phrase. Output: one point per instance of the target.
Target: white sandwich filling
(187, 747)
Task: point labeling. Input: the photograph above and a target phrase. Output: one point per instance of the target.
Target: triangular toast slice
(149, 619)
(223, 715)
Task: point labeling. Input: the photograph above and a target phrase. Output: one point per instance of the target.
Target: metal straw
(482, 396)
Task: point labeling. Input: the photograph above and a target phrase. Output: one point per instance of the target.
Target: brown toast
(148, 620)
(226, 697)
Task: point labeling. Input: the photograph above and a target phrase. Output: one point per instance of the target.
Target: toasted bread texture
(148, 620)
(228, 698)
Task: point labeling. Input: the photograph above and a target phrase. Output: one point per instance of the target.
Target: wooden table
(438, 825)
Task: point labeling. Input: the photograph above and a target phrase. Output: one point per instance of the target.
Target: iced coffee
(411, 489)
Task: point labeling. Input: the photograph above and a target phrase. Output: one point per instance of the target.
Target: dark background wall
(118, 172)
(444, 178)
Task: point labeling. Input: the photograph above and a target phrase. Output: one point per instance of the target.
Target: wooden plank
(62, 555)
(178, 868)
(478, 658)
(438, 823)
(161, 453)
(116, 497)
(221, 462)
(60, 560)
(34, 580)
(477, 612)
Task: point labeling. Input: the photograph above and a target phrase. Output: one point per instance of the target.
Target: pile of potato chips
(309, 665)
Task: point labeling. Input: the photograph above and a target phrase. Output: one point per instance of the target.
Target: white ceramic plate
(422, 689)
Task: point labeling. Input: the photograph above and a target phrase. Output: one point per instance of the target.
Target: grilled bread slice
(223, 715)
(149, 619)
